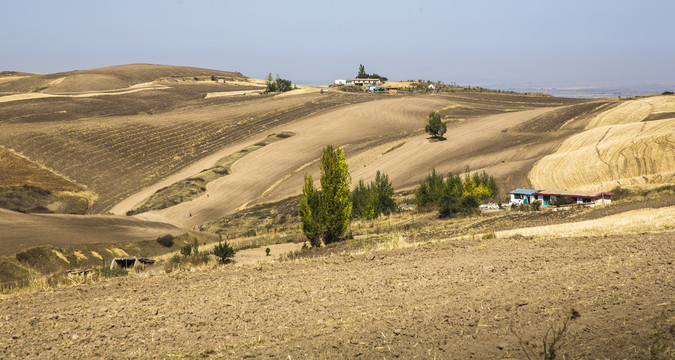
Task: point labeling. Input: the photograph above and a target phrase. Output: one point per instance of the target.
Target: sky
(497, 44)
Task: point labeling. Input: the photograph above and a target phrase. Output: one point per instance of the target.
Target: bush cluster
(455, 195)
(277, 84)
(375, 199)
(166, 240)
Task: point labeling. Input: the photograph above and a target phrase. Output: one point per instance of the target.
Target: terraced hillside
(630, 144)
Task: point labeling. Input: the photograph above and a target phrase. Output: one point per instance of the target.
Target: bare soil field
(458, 299)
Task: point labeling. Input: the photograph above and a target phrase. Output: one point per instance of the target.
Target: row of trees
(364, 75)
(375, 199)
(277, 84)
(453, 194)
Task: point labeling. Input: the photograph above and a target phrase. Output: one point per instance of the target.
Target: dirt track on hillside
(450, 300)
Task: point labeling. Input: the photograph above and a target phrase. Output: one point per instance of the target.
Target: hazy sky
(488, 43)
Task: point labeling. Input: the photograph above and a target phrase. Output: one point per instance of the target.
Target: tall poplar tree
(327, 212)
(336, 207)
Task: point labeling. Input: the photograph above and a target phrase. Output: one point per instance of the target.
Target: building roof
(524, 191)
(585, 194)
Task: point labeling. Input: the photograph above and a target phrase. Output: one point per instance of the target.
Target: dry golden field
(628, 145)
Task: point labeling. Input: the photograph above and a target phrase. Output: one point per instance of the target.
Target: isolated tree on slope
(436, 128)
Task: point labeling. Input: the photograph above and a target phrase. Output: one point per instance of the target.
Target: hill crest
(108, 78)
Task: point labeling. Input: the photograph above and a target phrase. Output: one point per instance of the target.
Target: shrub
(267, 251)
(250, 233)
(186, 250)
(536, 205)
(195, 246)
(620, 192)
(224, 251)
(563, 200)
(22, 257)
(448, 207)
(166, 240)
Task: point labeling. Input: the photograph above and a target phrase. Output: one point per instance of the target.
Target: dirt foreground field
(456, 299)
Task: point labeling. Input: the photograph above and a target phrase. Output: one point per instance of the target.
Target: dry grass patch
(628, 223)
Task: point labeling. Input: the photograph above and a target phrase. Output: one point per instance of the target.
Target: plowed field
(460, 299)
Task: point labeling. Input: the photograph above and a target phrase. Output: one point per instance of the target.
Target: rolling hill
(125, 132)
(631, 144)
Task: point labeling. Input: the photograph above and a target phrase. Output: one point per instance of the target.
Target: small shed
(130, 262)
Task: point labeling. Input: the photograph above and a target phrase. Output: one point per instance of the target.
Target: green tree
(384, 194)
(336, 207)
(436, 128)
(362, 72)
(270, 84)
(282, 85)
(363, 200)
(224, 251)
(310, 212)
(431, 189)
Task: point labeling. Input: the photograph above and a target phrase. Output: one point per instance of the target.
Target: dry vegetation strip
(190, 188)
(16, 170)
(631, 222)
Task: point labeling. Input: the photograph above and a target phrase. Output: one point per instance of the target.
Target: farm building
(363, 81)
(549, 196)
(523, 196)
(341, 82)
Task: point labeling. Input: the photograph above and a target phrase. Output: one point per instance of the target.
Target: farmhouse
(363, 81)
(549, 196)
(341, 82)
